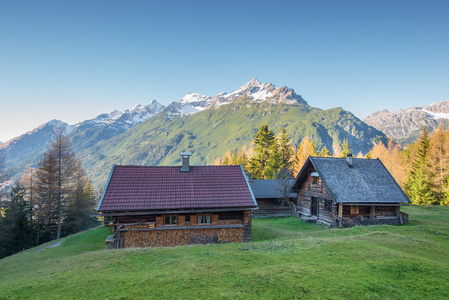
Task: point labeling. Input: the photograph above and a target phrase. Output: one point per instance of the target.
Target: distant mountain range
(23, 150)
(405, 126)
(205, 125)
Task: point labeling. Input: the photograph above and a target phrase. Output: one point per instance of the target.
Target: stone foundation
(361, 221)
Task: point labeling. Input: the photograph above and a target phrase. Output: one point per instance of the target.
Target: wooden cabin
(349, 192)
(269, 197)
(170, 206)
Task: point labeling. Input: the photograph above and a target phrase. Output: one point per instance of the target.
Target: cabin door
(314, 206)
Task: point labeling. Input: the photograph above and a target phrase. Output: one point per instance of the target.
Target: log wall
(352, 215)
(306, 191)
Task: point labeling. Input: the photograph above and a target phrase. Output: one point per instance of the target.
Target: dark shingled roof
(267, 188)
(143, 188)
(367, 181)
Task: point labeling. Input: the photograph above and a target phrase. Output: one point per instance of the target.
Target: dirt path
(50, 246)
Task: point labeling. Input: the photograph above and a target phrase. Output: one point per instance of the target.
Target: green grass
(287, 259)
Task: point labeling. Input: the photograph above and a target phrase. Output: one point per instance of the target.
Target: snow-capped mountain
(25, 148)
(126, 119)
(253, 89)
(31, 142)
(405, 126)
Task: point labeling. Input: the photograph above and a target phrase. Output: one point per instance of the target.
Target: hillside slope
(209, 133)
(288, 258)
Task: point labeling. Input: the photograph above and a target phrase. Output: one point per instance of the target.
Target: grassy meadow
(288, 259)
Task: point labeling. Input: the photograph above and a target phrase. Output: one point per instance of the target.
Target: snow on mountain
(405, 126)
(31, 142)
(126, 119)
(253, 89)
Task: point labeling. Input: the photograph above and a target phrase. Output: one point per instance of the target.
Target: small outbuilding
(270, 197)
(348, 192)
(167, 206)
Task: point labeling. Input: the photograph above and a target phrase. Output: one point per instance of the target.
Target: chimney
(349, 160)
(250, 177)
(185, 161)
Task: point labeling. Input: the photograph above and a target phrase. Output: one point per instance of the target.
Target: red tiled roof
(143, 188)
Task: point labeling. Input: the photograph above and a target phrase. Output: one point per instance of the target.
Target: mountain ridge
(405, 126)
(207, 126)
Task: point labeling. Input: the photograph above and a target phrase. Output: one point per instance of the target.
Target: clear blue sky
(72, 60)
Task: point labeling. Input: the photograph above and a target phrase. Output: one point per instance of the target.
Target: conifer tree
(28, 181)
(306, 148)
(242, 159)
(80, 203)
(54, 180)
(325, 152)
(264, 140)
(217, 161)
(345, 149)
(418, 185)
(16, 231)
(274, 162)
(285, 150)
(437, 163)
(227, 160)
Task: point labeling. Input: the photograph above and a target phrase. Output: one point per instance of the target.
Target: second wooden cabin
(348, 192)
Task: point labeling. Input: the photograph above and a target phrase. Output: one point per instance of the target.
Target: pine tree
(16, 231)
(242, 160)
(80, 203)
(227, 160)
(346, 149)
(54, 181)
(418, 186)
(285, 150)
(28, 181)
(263, 139)
(274, 163)
(325, 152)
(46, 198)
(254, 168)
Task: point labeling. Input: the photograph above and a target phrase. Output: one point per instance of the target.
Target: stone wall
(360, 221)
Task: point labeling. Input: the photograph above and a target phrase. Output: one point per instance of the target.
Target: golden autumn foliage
(306, 148)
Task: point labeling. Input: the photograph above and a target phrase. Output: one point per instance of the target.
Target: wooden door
(314, 207)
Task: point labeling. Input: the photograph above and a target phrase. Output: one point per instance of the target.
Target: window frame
(206, 217)
(171, 219)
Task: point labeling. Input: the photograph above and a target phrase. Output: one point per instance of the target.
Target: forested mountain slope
(209, 133)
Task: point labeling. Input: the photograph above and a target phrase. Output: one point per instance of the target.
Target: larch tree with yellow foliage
(305, 149)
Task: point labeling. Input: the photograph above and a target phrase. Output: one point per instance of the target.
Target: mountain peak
(256, 91)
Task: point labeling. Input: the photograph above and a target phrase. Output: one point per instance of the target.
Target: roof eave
(249, 187)
(174, 211)
(105, 188)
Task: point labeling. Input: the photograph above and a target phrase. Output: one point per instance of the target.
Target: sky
(74, 60)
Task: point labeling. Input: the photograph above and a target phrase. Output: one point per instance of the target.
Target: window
(170, 220)
(328, 205)
(315, 177)
(203, 219)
